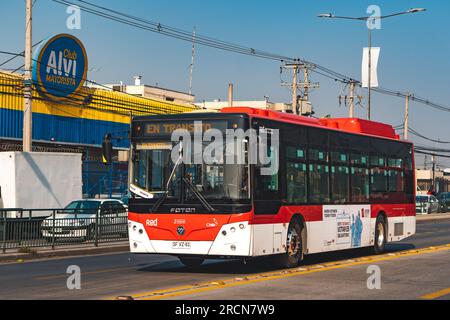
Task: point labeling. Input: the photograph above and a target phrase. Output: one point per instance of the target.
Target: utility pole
(305, 83)
(352, 100)
(230, 95)
(406, 126)
(191, 71)
(294, 89)
(434, 171)
(27, 90)
(304, 86)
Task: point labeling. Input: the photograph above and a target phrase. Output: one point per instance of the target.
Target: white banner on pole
(375, 54)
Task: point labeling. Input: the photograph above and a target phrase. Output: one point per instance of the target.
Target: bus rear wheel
(380, 235)
(191, 262)
(294, 246)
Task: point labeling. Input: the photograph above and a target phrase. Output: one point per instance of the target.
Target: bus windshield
(156, 172)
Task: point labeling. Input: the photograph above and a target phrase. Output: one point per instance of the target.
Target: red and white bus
(341, 184)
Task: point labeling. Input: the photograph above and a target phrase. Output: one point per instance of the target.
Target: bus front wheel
(294, 246)
(191, 262)
(380, 235)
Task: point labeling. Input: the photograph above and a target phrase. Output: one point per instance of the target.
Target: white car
(87, 219)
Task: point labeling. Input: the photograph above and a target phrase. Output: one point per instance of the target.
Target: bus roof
(351, 125)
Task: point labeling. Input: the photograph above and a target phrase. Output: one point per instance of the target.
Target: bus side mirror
(107, 150)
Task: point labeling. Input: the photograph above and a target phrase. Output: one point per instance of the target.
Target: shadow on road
(265, 264)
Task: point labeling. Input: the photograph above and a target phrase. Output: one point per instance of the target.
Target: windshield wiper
(188, 183)
(200, 197)
(164, 197)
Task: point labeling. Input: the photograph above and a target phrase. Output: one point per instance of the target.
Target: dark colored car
(444, 202)
(426, 204)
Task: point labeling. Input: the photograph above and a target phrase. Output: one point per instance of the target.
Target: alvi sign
(60, 67)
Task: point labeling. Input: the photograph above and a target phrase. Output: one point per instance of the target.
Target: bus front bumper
(233, 239)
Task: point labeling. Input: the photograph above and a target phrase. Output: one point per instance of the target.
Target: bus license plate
(181, 245)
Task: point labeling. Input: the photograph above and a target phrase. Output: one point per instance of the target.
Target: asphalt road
(107, 276)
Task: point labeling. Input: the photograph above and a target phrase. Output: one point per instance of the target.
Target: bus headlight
(233, 247)
(242, 226)
(233, 229)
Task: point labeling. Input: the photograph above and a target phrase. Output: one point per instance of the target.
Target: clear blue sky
(415, 49)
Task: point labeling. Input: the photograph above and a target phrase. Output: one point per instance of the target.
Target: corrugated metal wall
(84, 119)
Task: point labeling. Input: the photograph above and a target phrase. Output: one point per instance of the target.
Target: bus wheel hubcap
(293, 243)
(380, 234)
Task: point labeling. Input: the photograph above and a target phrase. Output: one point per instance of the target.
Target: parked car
(426, 204)
(86, 218)
(444, 202)
(125, 198)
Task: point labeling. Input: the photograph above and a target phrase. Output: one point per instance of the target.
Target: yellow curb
(233, 282)
(436, 294)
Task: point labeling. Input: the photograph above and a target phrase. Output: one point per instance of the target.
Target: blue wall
(61, 129)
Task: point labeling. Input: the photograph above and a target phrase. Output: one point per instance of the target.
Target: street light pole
(332, 16)
(27, 90)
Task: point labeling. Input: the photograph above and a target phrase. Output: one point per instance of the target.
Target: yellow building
(77, 124)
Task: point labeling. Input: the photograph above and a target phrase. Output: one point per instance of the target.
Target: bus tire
(191, 262)
(380, 235)
(294, 245)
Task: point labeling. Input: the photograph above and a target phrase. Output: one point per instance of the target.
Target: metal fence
(31, 228)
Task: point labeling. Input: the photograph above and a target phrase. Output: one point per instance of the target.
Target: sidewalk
(433, 217)
(67, 251)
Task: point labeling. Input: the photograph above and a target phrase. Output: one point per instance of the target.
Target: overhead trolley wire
(156, 27)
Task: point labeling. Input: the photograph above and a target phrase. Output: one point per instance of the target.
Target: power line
(138, 106)
(426, 148)
(15, 55)
(414, 132)
(85, 99)
(172, 32)
(432, 154)
(184, 35)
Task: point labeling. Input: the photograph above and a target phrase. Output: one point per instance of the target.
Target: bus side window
(267, 186)
(378, 180)
(409, 181)
(396, 181)
(319, 187)
(360, 185)
(296, 175)
(340, 184)
(340, 177)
